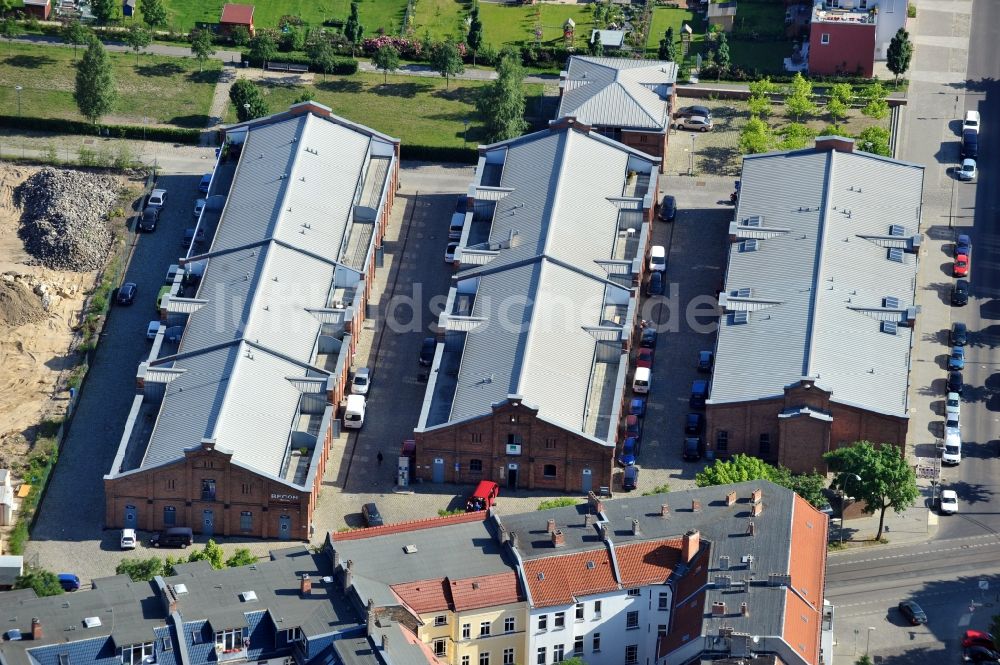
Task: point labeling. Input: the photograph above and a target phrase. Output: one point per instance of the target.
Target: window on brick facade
(477, 437)
(578, 645)
(662, 601)
(513, 439)
(642, 138)
(550, 443)
(722, 441)
(631, 654)
(632, 620)
(558, 653)
(596, 646)
(824, 38)
(508, 625)
(484, 629)
(207, 489)
(541, 656)
(543, 622)
(169, 516)
(466, 631)
(171, 483)
(246, 521)
(508, 657)
(439, 648)
(247, 488)
(560, 620)
(484, 658)
(765, 445)
(475, 465)
(549, 470)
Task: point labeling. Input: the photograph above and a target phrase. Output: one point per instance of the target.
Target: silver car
(697, 123)
(361, 383)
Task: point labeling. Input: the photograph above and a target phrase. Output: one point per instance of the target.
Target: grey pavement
(112, 45)
(172, 158)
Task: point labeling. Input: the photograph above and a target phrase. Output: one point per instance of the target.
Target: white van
(658, 258)
(641, 380)
(455, 228)
(952, 446)
(354, 414)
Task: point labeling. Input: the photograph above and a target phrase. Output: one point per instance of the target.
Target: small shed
(722, 14)
(128, 8)
(11, 567)
(610, 39)
(234, 15)
(40, 9)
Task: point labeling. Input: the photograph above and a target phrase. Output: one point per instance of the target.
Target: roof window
(889, 327)
(739, 318)
(895, 254)
(896, 230)
(749, 245)
(890, 302)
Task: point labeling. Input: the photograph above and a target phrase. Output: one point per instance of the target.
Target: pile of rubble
(19, 305)
(63, 223)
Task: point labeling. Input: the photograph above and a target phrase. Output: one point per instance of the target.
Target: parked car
(970, 144)
(699, 393)
(967, 171)
(980, 653)
(193, 236)
(912, 612)
(462, 204)
(157, 198)
(427, 349)
(963, 245)
(706, 359)
(961, 267)
(126, 293)
(697, 123)
(371, 515)
(655, 285)
(627, 456)
(648, 338)
(957, 358)
(971, 121)
(199, 207)
(644, 357)
(692, 448)
(658, 258)
(361, 382)
(668, 208)
(69, 582)
(152, 329)
(959, 335)
(952, 404)
(952, 421)
(955, 382)
(637, 407)
(694, 423)
(949, 502)
(206, 180)
(630, 478)
(484, 497)
(128, 539)
(977, 637)
(449, 252)
(175, 536)
(695, 110)
(150, 218)
(456, 225)
(960, 293)
(633, 427)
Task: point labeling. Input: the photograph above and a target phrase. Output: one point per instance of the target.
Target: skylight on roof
(248, 596)
(755, 221)
(896, 230)
(180, 588)
(889, 327)
(749, 245)
(895, 254)
(92, 622)
(890, 302)
(739, 318)
(742, 293)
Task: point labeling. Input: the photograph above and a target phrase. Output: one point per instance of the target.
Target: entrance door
(512, 476)
(284, 527)
(130, 519)
(587, 483)
(438, 473)
(208, 522)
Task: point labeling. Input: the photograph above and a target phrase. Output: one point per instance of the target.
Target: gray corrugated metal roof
(618, 92)
(819, 273)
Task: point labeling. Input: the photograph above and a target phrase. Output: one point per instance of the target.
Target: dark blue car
(957, 358)
(627, 457)
(69, 582)
(637, 407)
(206, 180)
(963, 245)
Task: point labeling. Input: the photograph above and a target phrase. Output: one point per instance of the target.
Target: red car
(974, 638)
(961, 268)
(644, 358)
(633, 427)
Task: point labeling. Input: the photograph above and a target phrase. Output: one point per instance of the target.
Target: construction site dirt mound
(19, 305)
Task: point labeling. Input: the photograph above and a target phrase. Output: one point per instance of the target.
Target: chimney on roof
(385, 640)
(550, 526)
(348, 575)
(831, 143)
(167, 595)
(731, 498)
(502, 534)
(336, 558)
(695, 506)
(512, 539)
(370, 617)
(690, 545)
(36, 628)
(756, 510)
(595, 502)
(558, 538)
(635, 527)
(305, 585)
(664, 511)
(751, 529)
(604, 531)
(719, 608)
(744, 609)
(756, 495)
(589, 519)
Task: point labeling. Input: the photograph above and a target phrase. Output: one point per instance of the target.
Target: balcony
(857, 16)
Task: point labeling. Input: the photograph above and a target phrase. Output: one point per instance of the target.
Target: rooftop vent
(541, 576)
(723, 581)
(92, 622)
(248, 596)
(723, 563)
(410, 549)
(180, 588)
(718, 608)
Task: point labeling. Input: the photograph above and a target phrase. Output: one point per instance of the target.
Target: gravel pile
(19, 305)
(63, 223)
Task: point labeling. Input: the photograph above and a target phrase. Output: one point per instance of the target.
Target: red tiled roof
(424, 596)
(649, 562)
(485, 591)
(804, 605)
(238, 14)
(689, 611)
(556, 580)
(413, 525)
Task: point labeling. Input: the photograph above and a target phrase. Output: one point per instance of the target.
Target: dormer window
(293, 635)
(229, 640)
(135, 654)
(749, 245)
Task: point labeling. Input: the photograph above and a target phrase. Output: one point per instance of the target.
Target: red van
(484, 496)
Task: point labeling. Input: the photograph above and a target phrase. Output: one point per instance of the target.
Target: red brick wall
(542, 443)
(651, 143)
(851, 48)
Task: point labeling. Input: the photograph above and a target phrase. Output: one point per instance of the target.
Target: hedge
(427, 153)
(344, 66)
(171, 134)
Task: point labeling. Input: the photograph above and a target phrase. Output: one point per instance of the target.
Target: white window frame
(635, 650)
(558, 653)
(509, 625)
(293, 634)
(824, 38)
(485, 628)
(663, 602)
(466, 631)
(441, 620)
(134, 654)
(230, 639)
(559, 621)
(629, 625)
(443, 651)
(508, 656)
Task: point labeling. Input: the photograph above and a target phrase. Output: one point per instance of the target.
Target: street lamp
(465, 121)
(18, 89)
(691, 165)
(869, 642)
(843, 503)
(246, 107)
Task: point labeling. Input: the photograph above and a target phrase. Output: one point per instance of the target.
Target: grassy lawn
(667, 17)
(764, 56)
(164, 89)
(515, 24)
(388, 14)
(442, 19)
(419, 111)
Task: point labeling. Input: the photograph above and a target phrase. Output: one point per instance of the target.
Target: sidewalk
(916, 524)
(155, 49)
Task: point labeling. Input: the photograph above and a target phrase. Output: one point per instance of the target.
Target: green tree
(763, 87)
(759, 105)
(106, 10)
(446, 61)
(241, 557)
(722, 55)
(10, 30)
(138, 38)
(755, 137)
(596, 47)
(322, 56)
(809, 486)
(798, 97)
(202, 47)
(737, 469)
(263, 47)
(169, 563)
(76, 33)
(386, 59)
(668, 48)
(211, 552)
(474, 38)
(836, 109)
(353, 29)
(842, 92)
(153, 12)
(239, 35)
(887, 479)
(899, 53)
(6, 6)
(501, 104)
(95, 91)
(864, 660)
(876, 105)
(44, 582)
(248, 100)
(140, 570)
(875, 139)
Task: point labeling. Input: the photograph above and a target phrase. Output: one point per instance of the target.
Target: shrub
(425, 153)
(561, 502)
(911, 11)
(59, 125)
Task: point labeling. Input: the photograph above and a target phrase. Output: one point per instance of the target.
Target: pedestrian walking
(379, 458)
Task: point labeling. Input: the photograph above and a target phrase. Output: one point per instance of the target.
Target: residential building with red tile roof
(236, 15)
